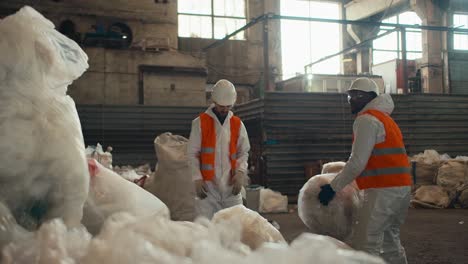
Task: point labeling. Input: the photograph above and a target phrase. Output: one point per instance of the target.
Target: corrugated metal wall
(131, 130)
(302, 127)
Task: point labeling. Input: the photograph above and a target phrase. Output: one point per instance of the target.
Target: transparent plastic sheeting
(128, 239)
(43, 166)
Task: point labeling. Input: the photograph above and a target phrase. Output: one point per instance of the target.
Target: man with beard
(380, 166)
(218, 152)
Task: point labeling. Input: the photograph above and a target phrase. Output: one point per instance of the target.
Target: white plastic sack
(256, 230)
(43, 165)
(452, 174)
(431, 196)
(336, 219)
(333, 167)
(172, 180)
(272, 202)
(109, 194)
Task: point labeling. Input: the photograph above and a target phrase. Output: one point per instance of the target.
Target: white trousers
(378, 223)
(215, 201)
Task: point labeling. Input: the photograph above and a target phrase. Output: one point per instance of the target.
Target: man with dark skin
(379, 165)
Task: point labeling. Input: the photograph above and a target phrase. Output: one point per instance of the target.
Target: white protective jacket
(220, 188)
(384, 209)
(368, 131)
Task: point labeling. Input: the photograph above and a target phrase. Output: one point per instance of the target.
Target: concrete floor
(429, 236)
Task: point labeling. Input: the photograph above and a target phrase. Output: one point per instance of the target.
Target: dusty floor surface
(429, 236)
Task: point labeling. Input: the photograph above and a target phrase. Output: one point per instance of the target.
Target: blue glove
(326, 194)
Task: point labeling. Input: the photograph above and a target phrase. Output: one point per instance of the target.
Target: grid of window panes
(211, 18)
(389, 47)
(299, 42)
(460, 40)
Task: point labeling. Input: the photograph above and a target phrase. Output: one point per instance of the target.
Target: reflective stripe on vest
(388, 165)
(208, 145)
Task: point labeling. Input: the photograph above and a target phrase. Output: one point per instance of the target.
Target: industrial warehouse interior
(234, 131)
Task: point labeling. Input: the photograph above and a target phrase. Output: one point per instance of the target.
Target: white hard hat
(224, 93)
(365, 84)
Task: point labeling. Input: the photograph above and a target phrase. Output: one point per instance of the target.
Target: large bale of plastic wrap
(172, 179)
(9, 229)
(272, 202)
(256, 230)
(109, 194)
(333, 167)
(453, 174)
(431, 196)
(463, 197)
(335, 220)
(43, 171)
(128, 239)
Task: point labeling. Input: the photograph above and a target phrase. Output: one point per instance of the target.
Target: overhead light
(310, 76)
(124, 37)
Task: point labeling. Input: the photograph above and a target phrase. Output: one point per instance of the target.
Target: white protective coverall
(377, 230)
(219, 194)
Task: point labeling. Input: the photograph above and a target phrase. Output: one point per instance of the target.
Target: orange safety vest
(388, 165)
(208, 145)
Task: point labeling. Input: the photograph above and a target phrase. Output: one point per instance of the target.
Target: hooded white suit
(384, 209)
(219, 194)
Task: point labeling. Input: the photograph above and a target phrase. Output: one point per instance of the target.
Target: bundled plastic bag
(453, 174)
(272, 202)
(426, 166)
(256, 230)
(335, 220)
(431, 196)
(109, 194)
(172, 180)
(43, 166)
(333, 167)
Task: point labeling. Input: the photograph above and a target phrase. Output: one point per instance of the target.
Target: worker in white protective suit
(379, 164)
(218, 152)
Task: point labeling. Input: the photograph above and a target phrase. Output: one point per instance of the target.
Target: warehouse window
(389, 47)
(303, 42)
(211, 18)
(460, 40)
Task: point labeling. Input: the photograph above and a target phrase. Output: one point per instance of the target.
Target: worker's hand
(200, 188)
(326, 194)
(238, 180)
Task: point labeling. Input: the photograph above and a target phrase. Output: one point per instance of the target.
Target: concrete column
(364, 54)
(432, 62)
